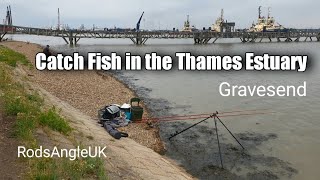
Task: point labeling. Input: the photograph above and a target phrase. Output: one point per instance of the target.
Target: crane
(7, 17)
(138, 23)
(10, 17)
(260, 12)
(58, 27)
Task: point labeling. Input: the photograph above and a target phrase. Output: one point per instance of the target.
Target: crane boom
(10, 23)
(7, 16)
(260, 11)
(138, 23)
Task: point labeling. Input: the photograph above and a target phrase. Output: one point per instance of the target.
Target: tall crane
(9, 16)
(58, 26)
(259, 11)
(138, 23)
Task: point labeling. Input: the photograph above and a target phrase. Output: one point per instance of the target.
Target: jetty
(221, 30)
(72, 37)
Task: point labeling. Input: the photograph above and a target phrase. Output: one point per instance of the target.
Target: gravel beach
(88, 91)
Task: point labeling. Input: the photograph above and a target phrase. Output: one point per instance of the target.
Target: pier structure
(72, 37)
(222, 30)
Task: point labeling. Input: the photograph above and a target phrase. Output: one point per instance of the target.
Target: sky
(163, 14)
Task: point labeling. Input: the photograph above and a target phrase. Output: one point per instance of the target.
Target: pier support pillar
(77, 40)
(65, 39)
(71, 40)
(270, 40)
(205, 41)
(215, 40)
(297, 40)
(202, 41)
(318, 38)
(253, 40)
(198, 38)
(288, 40)
(133, 40)
(144, 40)
(278, 39)
(243, 40)
(139, 40)
(197, 41)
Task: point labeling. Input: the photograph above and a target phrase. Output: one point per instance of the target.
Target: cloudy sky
(159, 13)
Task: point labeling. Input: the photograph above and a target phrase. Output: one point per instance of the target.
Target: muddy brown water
(281, 145)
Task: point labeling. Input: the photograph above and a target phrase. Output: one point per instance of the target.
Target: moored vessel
(266, 24)
(187, 27)
(217, 26)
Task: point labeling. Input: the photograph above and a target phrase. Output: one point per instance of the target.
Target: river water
(284, 144)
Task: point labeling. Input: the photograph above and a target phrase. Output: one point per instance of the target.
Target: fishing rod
(231, 115)
(197, 115)
(187, 118)
(177, 133)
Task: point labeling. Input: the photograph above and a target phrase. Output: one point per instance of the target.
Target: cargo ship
(266, 24)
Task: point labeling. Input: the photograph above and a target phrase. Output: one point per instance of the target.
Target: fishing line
(196, 115)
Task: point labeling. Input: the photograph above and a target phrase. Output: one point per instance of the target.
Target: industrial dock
(265, 29)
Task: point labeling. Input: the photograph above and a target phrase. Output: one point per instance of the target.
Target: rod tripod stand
(216, 118)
